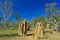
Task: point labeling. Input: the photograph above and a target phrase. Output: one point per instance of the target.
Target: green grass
(8, 33)
(12, 35)
(49, 31)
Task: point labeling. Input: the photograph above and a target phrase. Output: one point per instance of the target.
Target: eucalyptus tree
(6, 10)
(37, 19)
(52, 14)
(17, 17)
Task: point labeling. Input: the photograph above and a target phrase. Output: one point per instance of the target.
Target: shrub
(49, 31)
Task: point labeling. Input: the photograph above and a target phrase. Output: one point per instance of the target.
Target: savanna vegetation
(8, 28)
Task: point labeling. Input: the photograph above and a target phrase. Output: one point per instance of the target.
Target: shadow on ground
(29, 34)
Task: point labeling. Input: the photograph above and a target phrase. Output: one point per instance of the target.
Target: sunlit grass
(12, 35)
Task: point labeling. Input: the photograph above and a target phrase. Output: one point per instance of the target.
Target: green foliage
(52, 15)
(6, 11)
(17, 17)
(37, 19)
(1, 18)
(49, 31)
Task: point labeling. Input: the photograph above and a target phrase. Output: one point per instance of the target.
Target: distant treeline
(6, 8)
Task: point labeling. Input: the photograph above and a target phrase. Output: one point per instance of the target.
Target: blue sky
(31, 8)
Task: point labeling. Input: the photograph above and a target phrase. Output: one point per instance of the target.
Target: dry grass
(12, 35)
